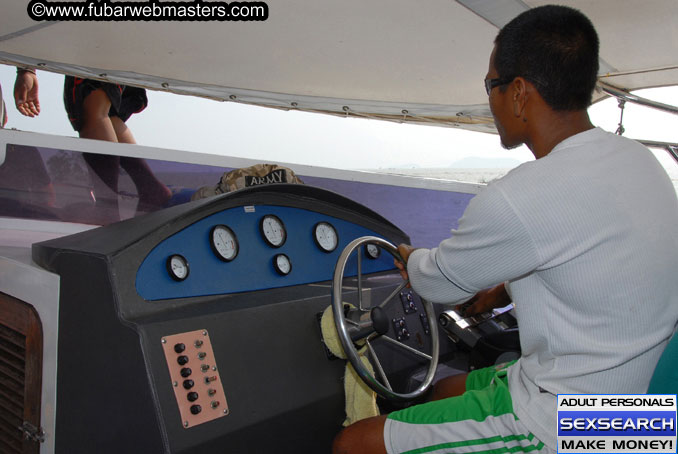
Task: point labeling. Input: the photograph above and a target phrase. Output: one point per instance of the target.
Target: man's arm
(486, 300)
(26, 92)
(490, 245)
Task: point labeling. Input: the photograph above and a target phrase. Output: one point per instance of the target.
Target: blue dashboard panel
(252, 269)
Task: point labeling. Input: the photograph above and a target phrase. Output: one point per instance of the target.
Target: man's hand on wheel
(404, 250)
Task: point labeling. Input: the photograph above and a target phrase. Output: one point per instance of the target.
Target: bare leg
(367, 436)
(362, 437)
(97, 125)
(449, 387)
(152, 192)
(121, 131)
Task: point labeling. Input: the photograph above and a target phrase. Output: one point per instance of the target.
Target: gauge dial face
(177, 267)
(282, 264)
(224, 243)
(325, 236)
(273, 230)
(372, 251)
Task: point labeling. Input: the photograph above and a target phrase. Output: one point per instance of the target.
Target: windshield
(57, 184)
(53, 184)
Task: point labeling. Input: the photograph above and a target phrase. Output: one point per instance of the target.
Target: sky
(232, 129)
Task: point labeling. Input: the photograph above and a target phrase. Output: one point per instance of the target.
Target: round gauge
(177, 267)
(372, 251)
(273, 230)
(325, 236)
(224, 242)
(282, 264)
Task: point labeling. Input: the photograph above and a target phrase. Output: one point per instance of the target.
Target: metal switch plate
(204, 374)
(407, 298)
(400, 329)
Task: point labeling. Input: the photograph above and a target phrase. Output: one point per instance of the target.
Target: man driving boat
(584, 237)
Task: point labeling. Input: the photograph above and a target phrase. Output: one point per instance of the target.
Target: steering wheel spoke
(412, 350)
(394, 293)
(360, 278)
(378, 365)
(375, 324)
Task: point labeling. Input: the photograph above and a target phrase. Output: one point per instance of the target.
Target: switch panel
(400, 328)
(195, 377)
(407, 298)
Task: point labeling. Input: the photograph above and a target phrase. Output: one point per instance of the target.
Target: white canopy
(401, 60)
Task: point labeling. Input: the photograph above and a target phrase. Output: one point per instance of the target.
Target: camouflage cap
(246, 177)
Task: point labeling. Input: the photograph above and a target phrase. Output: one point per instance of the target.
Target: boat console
(196, 328)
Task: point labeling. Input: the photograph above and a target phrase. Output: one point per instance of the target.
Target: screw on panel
(175, 383)
(163, 340)
(226, 411)
(204, 333)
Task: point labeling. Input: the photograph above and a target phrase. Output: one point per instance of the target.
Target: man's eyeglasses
(491, 83)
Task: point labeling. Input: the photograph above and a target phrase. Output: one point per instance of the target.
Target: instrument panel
(206, 270)
(250, 248)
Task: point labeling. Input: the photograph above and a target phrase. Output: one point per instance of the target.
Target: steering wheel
(368, 324)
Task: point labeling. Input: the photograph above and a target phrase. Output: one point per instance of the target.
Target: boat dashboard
(196, 328)
(250, 248)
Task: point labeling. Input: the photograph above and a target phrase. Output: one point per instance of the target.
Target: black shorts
(125, 100)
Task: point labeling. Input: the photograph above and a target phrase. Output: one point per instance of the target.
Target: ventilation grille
(20, 377)
(12, 385)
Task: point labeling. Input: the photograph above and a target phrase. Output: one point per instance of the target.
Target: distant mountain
(474, 162)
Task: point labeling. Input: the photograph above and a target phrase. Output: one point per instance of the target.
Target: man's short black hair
(555, 48)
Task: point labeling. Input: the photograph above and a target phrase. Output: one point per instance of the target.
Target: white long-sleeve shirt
(587, 238)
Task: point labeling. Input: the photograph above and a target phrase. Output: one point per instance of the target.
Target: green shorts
(479, 421)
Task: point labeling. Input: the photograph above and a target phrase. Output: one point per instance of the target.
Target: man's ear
(519, 96)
